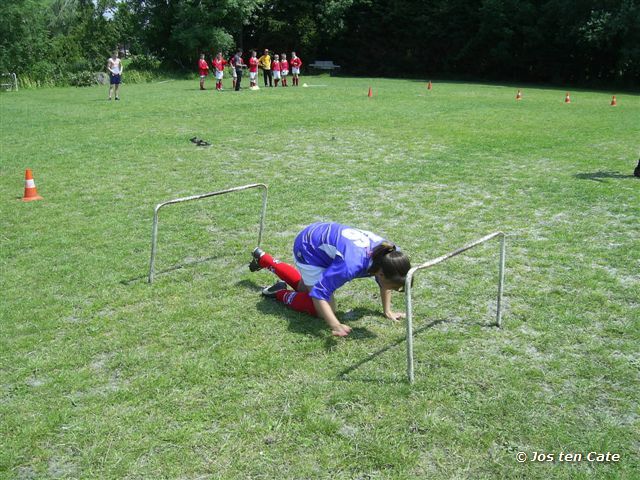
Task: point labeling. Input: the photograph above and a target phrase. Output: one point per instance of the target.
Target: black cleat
(273, 289)
(254, 266)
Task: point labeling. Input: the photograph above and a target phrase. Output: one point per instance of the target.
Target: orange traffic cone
(370, 94)
(613, 101)
(519, 95)
(567, 98)
(429, 85)
(30, 192)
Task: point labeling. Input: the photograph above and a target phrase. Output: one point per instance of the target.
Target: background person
(275, 68)
(114, 66)
(253, 69)
(295, 64)
(284, 69)
(265, 64)
(203, 70)
(218, 65)
(239, 65)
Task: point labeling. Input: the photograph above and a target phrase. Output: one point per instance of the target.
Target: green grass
(195, 376)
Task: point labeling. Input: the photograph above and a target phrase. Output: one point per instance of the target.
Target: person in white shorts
(253, 69)
(275, 68)
(284, 69)
(296, 64)
(232, 67)
(218, 65)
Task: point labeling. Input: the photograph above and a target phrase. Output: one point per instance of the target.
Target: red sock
(284, 271)
(298, 301)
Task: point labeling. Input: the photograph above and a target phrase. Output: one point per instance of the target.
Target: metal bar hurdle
(13, 79)
(154, 235)
(435, 261)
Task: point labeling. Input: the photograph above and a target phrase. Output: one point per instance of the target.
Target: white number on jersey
(360, 238)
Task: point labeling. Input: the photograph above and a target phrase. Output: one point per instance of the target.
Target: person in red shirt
(284, 69)
(218, 64)
(275, 68)
(296, 64)
(203, 67)
(253, 69)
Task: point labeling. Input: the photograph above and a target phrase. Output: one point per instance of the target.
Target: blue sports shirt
(344, 251)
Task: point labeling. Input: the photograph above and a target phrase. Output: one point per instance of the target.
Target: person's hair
(202, 55)
(393, 263)
(252, 52)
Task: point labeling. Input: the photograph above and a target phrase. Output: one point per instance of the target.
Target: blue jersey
(344, 251)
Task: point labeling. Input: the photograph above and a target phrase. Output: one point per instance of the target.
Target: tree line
(591, 42)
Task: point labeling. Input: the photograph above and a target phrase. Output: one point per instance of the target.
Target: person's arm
(324, 311)
(322, 294)
(385, 296)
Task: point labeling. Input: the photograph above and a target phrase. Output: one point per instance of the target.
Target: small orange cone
(613, 101)
(30, 192)
(567, 98)
(519, 95)
(429, 85)
(370, 94)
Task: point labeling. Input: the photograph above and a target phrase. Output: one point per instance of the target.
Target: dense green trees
(581, 41)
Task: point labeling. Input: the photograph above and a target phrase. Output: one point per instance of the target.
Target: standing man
(114, 66)
(239, 65)
(265, 63)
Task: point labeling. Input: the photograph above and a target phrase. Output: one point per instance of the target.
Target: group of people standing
(275, 69)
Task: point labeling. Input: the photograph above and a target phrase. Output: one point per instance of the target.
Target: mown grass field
(196, 376)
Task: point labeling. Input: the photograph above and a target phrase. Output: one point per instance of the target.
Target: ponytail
(394, 264)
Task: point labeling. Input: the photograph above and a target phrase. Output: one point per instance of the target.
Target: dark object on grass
(636, 172)
(202, 143)
(194, 139)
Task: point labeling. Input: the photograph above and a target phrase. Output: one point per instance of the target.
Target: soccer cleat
(273, 289)
(254, 265)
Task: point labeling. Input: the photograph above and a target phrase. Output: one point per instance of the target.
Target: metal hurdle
(154, 234)
(12, 79)
(436, 261)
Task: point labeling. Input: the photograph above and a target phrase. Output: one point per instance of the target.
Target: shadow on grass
(601, 175)
(342, 375)
(180, 266)
(304, 324)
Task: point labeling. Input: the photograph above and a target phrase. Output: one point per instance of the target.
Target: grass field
(196, 376)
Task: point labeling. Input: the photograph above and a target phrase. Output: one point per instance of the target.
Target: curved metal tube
(435, 261)
(154, 233)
